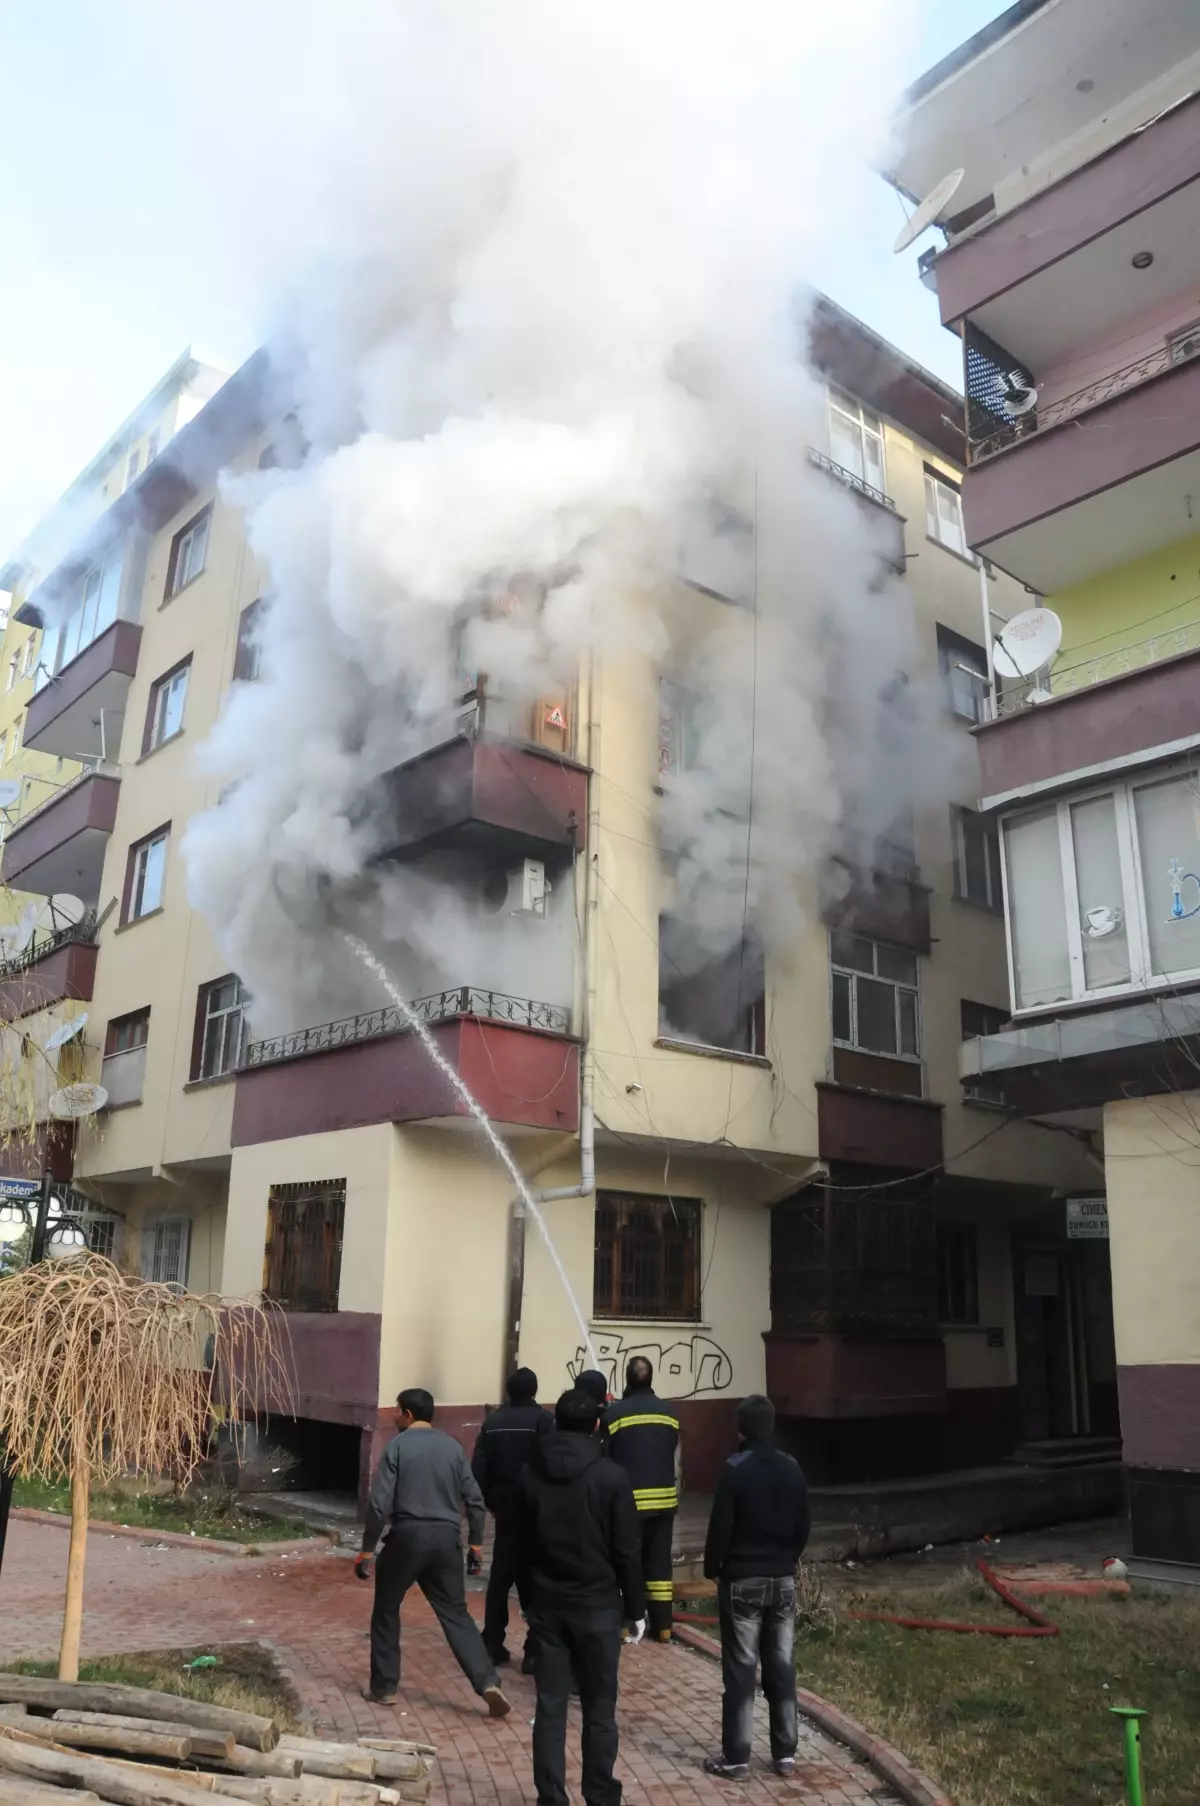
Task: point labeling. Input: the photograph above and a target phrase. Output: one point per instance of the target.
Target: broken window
(719, 1002)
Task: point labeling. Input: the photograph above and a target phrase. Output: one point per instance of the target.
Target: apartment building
(1071, 270)
(795, 1193)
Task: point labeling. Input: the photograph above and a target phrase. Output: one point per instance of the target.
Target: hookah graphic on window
(1178, 880)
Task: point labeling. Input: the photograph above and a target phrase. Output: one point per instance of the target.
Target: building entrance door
(1046, 1376)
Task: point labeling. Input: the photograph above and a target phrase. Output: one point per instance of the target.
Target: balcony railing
(848, 477)
(79, 934)
(442, 1006)
(1118, 661)
(1000, 430)
(25, 811)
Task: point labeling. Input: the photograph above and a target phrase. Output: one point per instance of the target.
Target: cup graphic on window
(1102, 921)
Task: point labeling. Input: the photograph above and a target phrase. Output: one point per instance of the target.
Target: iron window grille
(302, 1264)
(647, 1258)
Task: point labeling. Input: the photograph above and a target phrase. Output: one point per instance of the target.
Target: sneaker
(378, 1699)
(727, 1771)
(784, 1766)
(494, 1700)
(662, 1636)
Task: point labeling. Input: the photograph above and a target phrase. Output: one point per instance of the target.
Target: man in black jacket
(579, 1547)
(756, 1534)
(502, 1447)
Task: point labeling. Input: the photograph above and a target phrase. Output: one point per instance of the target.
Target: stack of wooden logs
(92, 1742)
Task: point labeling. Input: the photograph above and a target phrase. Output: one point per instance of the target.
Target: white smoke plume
(537, 272)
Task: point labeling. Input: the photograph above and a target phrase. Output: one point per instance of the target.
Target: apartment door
(1046, 1351)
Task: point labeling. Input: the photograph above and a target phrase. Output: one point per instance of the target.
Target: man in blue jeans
(756, 1534)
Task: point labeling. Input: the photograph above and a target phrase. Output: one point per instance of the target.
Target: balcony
(1091, 480)
(491, 795)
(54, 968)
(60, 844)
(1130, 706)
(884, 525)
(515, 1056)
(79, 713)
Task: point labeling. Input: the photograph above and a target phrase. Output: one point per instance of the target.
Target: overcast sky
(91, 314)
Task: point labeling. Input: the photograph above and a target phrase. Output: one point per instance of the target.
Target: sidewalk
(315, 1614)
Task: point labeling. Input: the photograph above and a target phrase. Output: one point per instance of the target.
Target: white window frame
(137, 890)
(14, 666)
(151, 1228)
(30, 656)
(852, 973)
(223, 1018)
(935, 480)
(958, 852)
(197, 531)
(164, 692)
(1142, 980)
(868, 423)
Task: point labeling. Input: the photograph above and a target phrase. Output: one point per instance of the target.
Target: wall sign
(1087, 1219)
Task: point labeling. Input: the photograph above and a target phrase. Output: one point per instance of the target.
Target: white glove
(637, 1630)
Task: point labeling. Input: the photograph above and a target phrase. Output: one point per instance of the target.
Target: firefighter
(641, 1432)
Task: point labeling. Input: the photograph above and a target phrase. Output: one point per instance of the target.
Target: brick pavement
(315, 1613)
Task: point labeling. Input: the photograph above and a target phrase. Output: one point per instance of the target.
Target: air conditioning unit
(1185, 345)
(520, 891)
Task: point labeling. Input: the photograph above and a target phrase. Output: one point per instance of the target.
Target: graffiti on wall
(681, 1369)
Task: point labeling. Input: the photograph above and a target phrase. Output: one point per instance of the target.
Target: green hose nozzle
(1131, 1717)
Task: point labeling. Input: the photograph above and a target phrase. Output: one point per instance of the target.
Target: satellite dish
(83, 1099)
(60, 911)
(66, 1031)
(1019, 399)
(16, 937)
(1026, 643)
(930, 207)
(10, 792)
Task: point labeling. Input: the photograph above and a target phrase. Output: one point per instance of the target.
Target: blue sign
(20, 1188)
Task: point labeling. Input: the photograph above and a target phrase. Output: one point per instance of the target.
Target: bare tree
(102, 1374)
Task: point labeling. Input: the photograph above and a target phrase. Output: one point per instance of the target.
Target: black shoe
(784, 1766)
(499, 1656)
(528, 1665)
(727, 1771)
(378, 1699)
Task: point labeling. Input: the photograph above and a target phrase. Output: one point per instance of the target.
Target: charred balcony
(486, 793)
(515, 1055)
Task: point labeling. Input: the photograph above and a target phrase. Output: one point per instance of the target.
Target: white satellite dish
(933, 204)
(60, 911)
(1027, 643)
(16, 937)
(1019, 398)
(10, 792)
(66, 1031)
(83, 1099)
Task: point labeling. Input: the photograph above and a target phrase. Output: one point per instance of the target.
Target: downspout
(586, 1184)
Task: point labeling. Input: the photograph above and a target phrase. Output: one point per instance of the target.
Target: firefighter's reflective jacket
(642, 1433)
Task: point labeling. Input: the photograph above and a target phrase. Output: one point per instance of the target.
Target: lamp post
(61, 1234)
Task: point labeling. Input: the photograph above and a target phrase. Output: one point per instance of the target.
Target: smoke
(537, 279)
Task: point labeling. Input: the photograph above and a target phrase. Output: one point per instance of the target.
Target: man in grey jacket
(421, 1485)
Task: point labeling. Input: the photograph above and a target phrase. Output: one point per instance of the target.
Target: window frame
(607, 1308)
(868, 423)
(151, 1225)
(129, 895)
(160, 691)
(993, 853)
(939, 479)
(1143, 980)
(205, 1016)
(982, 1090)
(964, 1235)
(247, 652)
(951, 649)
(132, 1020)
(305, 1192)
(182, 539)
(839, 969)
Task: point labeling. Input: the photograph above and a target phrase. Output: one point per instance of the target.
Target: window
(1105, 891)
(3, 748)
(874, 996)
(135, 464)
(958, 1273)
(166, 1247)
(713, 1002)
(145, 876)
(15, 743)
(189, 548)
(976, 843)
(247, 660)
(90, 617)
(13, 665)
(101, 1234)
(164, 716)
(30, 656)
(943, 512)
(964, 675)
(302, 1266)
(123, 1071)
(220, 1028)
(855, 439)
(978, 1020)
(152, 446)
(647, 1259)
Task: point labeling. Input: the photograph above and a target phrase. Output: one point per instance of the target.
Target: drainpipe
(587, 1114)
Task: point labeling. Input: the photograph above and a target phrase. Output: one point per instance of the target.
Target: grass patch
(246, 1678)
(1016, 1721)
(211, 1512)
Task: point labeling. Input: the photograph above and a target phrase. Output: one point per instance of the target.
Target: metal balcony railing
(1118, 661)
(24, 811)
(81, 934)
(848, 477)
(991, 433)
(442, 1006)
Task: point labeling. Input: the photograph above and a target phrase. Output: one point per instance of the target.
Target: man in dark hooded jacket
(502, 1447)
(580, 1548)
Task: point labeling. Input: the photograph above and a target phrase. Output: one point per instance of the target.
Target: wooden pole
(68, 1653)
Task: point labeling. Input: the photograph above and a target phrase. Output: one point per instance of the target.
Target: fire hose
(1036, 1625)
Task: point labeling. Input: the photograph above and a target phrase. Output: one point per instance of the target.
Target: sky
(99, 250)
